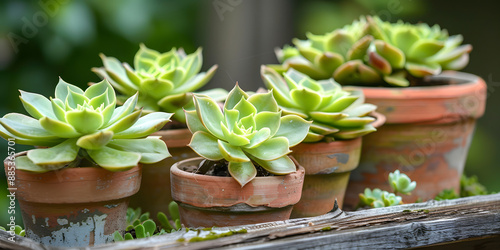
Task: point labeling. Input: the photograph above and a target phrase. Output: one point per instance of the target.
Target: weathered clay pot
(328, 166)
(74, 207)
(427, 136)
(154, 194)
(206, 201)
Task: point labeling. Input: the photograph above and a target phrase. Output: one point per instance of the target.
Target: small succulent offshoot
(376, 53)
(76, 125)
(376, 198)
(164, 80)
(141, 226)
(18, 230)
(249, 131)
(336, 114)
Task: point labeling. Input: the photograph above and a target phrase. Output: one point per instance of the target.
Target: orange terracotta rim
(214, 191)
(379, 119)
(76, 185)
(175, 138)
(463, 98)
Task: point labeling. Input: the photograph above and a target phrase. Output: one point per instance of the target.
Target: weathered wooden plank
(405, 226)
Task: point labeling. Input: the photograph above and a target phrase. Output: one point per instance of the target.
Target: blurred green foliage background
(43, 40)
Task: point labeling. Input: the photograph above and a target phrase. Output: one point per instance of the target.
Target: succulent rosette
(249, 131)
(377, 198)
(335, 113)
(77, 125)
(401, 183)
(373, 52)
(164, 80)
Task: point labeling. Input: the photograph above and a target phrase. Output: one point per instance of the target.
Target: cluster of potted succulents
(74, 188)
(332, 147)
(430, 113)
(264, 156)
(164, 82)
(247, 175)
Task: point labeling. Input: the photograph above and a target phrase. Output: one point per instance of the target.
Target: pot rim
(75, 185)
(175, 138)
(216, 191)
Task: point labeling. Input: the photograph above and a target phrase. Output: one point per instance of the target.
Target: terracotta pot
(427, 136)
(154, 194)
(206, 201)
(328, 166)
(74, 207)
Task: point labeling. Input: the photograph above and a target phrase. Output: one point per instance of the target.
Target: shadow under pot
(73, 207)
(206, 201)
(426, 136)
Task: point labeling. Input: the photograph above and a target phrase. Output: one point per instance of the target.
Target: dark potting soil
(219, 168)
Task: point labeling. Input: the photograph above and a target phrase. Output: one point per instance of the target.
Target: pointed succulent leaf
(261, 136)
(232, 138)
(347, 134)
(242, 172)
(144, 53)
(59, 109)
(96, 140)
(234, 96)
(36, 105)
(193, 63)
(210, 115)
(232, 153)
(245, 108)
(100, 88)
(379, 63)
(206, 145)
(326, 117)
(125, 123)
(74, 99)
(271, 149)
(157, 88)
(63, 153)
(58, 128)
(84, 121)
(361, 110)
(306, 99)
(358, 49)
(280, 166)
(26, 127)
(193, 122)
(266, 119)
(113, 159)
(145, 126)
(309, 53)
(424, 48)
(63, 88)
(264, 102)
(340, 104)
(393, 55)
(25, 164)
(323, 129)
(196, 81)
(421, 70)
(355, 72)
(25, 141)
(339, 42)
(328, 61)
(404, 38)
(123, 110)
(353, 121)
(397, 79)
(293, 128)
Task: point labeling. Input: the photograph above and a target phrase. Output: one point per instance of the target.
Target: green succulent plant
(249, 131)
(18, 230)
(335, 113)
(78, 125)
(377, 198)
(373, 52)
(401, 183)
(141, 226)
(164, 80)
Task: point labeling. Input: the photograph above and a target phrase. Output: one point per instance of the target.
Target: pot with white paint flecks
(74, 207)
